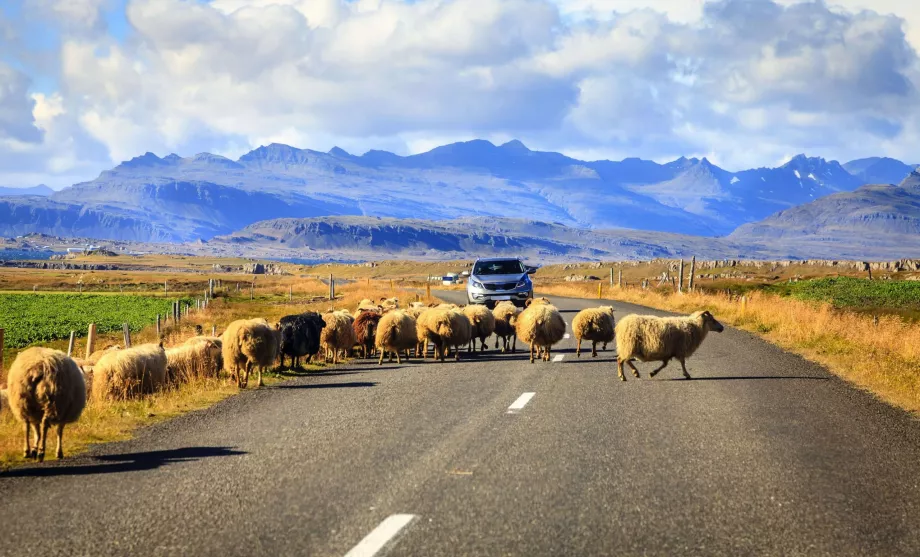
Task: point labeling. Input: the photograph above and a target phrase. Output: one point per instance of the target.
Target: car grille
(500, 286)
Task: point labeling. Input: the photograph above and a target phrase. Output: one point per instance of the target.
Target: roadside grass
(881, 357)
(106, 421)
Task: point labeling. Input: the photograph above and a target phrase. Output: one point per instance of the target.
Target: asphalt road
(762, 453)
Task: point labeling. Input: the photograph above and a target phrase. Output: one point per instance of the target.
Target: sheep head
(709, 322)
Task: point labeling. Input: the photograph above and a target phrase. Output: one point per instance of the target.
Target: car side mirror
(531, 271)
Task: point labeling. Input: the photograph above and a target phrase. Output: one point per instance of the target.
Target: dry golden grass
(104, 421)
(882, 357)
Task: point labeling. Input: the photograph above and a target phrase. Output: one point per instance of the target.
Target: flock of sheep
(48, 388)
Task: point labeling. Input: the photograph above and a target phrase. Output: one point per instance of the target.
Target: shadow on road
(316, 373)
(128, 462)
(330, 385)
(745, 377)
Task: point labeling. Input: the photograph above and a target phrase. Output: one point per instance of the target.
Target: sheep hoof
(40, 456)
(622, 377)
(29, 454)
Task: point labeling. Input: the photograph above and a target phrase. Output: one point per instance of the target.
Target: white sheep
(541, 326)
(45, 388)
(595, 325)
(482, 322)
(248, 344)
(338, 334)
(659, 339)
(505, 314)
(396, 332)
(194, 360)
(130, 372)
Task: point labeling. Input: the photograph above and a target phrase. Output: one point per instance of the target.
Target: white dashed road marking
(520, 403)
(558, 357)
(381, 535)
(567, 335)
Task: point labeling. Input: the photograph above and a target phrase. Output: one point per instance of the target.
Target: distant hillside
(879, 170)
(870, 220)
(40, 189)
(198, 197)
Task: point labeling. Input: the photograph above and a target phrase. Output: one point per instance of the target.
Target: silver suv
(499, 278)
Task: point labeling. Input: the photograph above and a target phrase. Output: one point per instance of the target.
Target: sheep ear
(161, 344)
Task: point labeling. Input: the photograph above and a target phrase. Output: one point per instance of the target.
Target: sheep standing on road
(248, 344)
(659, 339)
(299, 336)
(130, 372)
(366, 324)
(433, 325)
(505, 314)
(461, 331)
(483, 325)
(337, 335)
(595, 325)
(45, 388)
(396, 332)
(541, 326)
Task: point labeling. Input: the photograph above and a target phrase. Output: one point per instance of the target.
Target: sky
(86, 84)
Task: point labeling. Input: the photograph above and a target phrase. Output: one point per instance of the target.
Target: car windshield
(510, 267)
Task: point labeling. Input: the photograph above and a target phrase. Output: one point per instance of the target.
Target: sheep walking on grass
(130, 372)
(595, 325)
(541, 326)
(483, 325)
(194, 360)
(396, 332)
(505, 314)
(659, 339)
(249, 344)
(45, 389)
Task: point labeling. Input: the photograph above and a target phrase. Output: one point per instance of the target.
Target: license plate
(501, 298)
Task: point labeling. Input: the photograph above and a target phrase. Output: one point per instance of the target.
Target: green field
(34, 318)
(888, 296)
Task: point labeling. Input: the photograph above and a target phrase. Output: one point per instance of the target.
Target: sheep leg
(41, 442)
(549, 353)
(635, 371)
(514, 344)
(483, 342)
(398, 361)
(260, 377)
(27, 453)
(380, 363)
(471, 346)
(594, 349)
(620, 370)
(659, 368)
(60, 442)
(531, 352)
(578, 348)
(683, 366)
(457, 355)
(390, 352)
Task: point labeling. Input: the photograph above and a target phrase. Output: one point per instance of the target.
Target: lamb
(505, 314)
(338, 334)
(594, 324)
(482, 322)
(658, 339)
(129, 373)
(299, 336)
(366, 331)
(367, 305)
(45, 388)
(395, 332)
(541, 326)
(249, 343)
(433, 325)
(194, 360)
(389, 303)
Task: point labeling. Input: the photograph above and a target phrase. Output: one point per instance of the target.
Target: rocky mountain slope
(190, 198)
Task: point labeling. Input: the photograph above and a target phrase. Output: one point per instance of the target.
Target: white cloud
(742, 81)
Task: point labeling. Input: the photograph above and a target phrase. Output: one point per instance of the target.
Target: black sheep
(300, 336)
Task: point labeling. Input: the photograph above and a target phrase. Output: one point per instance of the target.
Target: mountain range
(40, 189)
(184, 199)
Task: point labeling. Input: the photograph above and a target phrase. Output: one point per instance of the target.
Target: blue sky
(85, 84)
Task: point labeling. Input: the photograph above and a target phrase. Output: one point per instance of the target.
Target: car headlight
(475, 283)
(523, 283)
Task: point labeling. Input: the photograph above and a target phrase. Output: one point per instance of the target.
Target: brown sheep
(541, 326)
(248, 344)
(483, 325)
(395, 333)
(659, 339)
(595, 325)
(45, 388)
(337, 335)
(505, 315)
(130, 373)
(365, 326)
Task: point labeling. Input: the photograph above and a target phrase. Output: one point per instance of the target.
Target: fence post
(90, 339)
(2, 333)
(70, 344)
(211, 288)
(213, 330)
(291, 293)
(127, 334)
(428, 290)
(158, 325)
(620, 279)
(599, 290)
(252, 289)
(692, 274)
(743, 305)
(611, 276)
(680, 277)
(165, 288)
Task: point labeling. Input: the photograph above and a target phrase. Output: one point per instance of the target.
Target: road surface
(762, 453)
